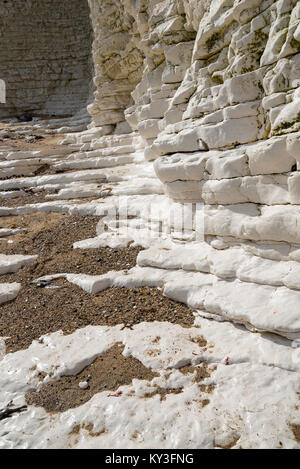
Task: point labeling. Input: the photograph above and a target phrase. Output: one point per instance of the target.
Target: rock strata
(190, 155)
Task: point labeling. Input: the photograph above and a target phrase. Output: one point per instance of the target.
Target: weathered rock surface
(45, 56)
(217, 107)
(195, 146)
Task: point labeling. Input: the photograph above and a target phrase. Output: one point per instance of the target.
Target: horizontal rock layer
(193, 153)
(45, 56)
(217, 108)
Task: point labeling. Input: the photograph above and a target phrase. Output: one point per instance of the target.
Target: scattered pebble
(83, 385)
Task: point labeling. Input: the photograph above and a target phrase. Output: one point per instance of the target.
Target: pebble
(83, 385)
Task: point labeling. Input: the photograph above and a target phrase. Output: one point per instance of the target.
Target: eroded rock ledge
(212, 90)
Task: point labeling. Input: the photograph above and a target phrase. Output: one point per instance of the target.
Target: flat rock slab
(13, 263)
(8, 291)
(233, 405)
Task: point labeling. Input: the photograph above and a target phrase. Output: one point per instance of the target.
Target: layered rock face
(45, 58)
(118, 63)
(192, 154)
(217, 107)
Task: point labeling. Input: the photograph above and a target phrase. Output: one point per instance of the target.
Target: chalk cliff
(212, 89)
(191, 151)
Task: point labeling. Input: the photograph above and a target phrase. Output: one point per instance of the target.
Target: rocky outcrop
(193, 153)
(118, 63)
(206, 94)
(217, 108)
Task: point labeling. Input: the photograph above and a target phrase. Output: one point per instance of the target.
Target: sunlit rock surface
(196, 107)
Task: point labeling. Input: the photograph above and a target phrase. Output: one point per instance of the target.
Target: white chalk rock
(9, 291)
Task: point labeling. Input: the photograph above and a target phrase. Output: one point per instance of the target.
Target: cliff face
(217, 75)
(193, 155)
(196, 102)
(45, 56)
(215, 98)
(118, 61)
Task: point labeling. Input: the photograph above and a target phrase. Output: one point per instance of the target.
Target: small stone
(83, 385)
(25, 117)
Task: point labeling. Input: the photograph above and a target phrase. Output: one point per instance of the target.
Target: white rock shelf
(208, 293)
(13, 263)
(242, 409)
